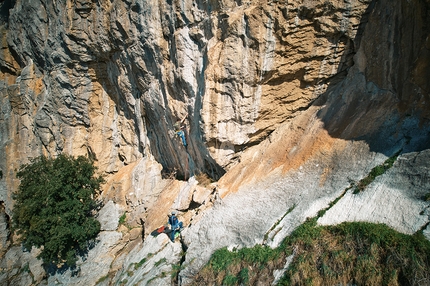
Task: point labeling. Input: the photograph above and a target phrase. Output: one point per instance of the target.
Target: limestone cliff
(287, 103)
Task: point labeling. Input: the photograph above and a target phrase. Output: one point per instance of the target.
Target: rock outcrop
(287, 104)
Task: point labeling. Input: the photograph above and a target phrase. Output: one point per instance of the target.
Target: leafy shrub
(54, 207)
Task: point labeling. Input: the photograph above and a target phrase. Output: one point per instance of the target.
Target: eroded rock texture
(286, 102)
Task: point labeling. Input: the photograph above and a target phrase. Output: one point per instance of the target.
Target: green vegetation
(102, 279)
(350, 253)
(139, 264)
(266, 236)
(54, 207)
(122, 219)
(356, 253)
(232, 267)
(375, 172)
(161, 261)
(176, 268)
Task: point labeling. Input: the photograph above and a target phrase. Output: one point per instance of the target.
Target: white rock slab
(185, 195)
(109, 216)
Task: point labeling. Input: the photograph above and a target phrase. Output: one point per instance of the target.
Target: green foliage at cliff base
(350, 253)
(54, 207)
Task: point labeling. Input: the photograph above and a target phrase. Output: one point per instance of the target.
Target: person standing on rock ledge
(179, 128)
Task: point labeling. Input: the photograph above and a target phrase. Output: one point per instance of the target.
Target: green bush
(54, 207)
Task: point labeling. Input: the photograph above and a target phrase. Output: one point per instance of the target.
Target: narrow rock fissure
(424, 227)
(182, 260)
(376, 171)
(266, 236)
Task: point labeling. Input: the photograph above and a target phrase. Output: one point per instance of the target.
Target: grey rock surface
(150, 262)
(95, 265)
(19, 267)
(287, 103)
(394, 198)
(109, 216)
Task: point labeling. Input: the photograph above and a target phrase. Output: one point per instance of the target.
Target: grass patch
(139, 264)
(355, 253)
(222, 258)
(176, 268)
(102, 279)
(229, 279)
(244, 276)
(122, 219)
(375, 172)
(161, 261)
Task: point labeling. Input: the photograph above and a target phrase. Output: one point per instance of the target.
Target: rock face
(287, 104)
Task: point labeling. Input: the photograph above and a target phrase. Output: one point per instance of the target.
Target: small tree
(54, 207)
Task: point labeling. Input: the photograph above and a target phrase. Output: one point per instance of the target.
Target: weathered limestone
(151, 263)
(4, 229)
(109, 216)
(185, 195)
(272, 61)
(18, 267)
(395, 198)
(286, 102)
(96, 265)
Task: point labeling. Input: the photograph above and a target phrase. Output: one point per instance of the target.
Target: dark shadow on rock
(160, 230)
(383, 100)
(5, 6)
(53, 269)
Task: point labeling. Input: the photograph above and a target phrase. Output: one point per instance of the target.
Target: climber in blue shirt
(175, 225)
(179, 128)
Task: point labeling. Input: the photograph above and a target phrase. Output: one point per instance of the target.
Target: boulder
(185, 195)
(201, 194)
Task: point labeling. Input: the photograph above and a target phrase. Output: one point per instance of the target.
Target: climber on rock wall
(179, 128)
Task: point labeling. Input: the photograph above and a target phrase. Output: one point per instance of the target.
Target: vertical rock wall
(108, 79)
